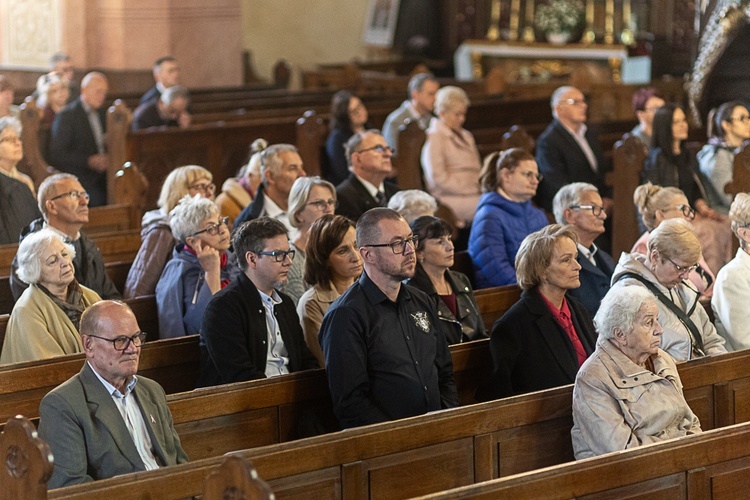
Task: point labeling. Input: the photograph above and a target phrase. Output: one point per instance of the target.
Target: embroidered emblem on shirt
(420, 319)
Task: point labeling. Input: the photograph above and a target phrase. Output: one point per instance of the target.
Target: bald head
(94, 87)
(100, 316)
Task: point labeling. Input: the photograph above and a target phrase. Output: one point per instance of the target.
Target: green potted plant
(558, 19)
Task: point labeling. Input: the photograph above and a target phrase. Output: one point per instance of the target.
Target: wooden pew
(28, 461)
(627, 163)
(714, 464)
(434, 452)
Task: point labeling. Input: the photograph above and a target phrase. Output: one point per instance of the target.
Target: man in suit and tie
(77, 144)
(580, 205)
(106, 421)
(366, 187)
(568, 151)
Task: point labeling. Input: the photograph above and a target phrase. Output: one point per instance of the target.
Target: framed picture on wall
(380, 23)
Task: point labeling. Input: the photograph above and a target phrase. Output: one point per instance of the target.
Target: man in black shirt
(385, 357)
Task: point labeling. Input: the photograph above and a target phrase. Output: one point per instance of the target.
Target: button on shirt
(277, 358)
(131, 415)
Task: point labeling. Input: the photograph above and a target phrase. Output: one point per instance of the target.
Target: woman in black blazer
(545, 337)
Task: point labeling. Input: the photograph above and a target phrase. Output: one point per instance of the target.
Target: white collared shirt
(133, 418)
(580, 137)
(588, 252)
(277, 357)
(370, 187)
(271, 209)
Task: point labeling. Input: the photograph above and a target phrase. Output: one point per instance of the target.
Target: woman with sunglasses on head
(44, 322)
(731, 128)
(309, 199)
(505, 215)
(451, 291)
(198, 268)
(672, 252)
(157, 241)
(656, 204)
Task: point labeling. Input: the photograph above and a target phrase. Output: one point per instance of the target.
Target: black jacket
(234, 335)
(254, 209)
(354, 198)
(562, 161)
(469, 324)
(18, 209)
(531, 351)
(595, 280)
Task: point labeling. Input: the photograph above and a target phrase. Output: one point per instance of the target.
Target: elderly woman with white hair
(309, 199)
(44, 322)
(732, 287)
(628, 393)
(450, 157)
(413, 204)
(673, 251)
(198, 268)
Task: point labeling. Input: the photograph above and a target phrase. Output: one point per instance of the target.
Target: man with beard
(249, 330)
(65, 209)
(385, 356)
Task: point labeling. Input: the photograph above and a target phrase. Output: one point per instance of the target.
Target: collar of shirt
(272, 209)
(580, 133)
(561, 315)
(589, 252)
(111, 389)
(375, 295)
(160, 86)
(273, 300)
(370, 187)
(65, 237)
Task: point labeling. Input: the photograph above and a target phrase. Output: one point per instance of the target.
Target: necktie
(380, 198)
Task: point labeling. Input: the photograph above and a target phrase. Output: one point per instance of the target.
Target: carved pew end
(28, 461)
(236, 478)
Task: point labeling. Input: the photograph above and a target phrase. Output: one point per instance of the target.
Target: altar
(542, 62)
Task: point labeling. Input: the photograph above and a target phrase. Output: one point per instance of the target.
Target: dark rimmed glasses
(279, 255)
(379, 148)
(397, 247)
(121, 343)
(686, 210)
(204, 188)
(597, 210)
(214, 229)
(73, 195)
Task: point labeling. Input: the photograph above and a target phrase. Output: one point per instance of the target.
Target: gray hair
(271, 161)
(185, 219)
(47, 190)
(174, 92)
(558, 94)
(300, 193)
(58, 57)
(11, 123)
(619, 309)
(30, 254)
(449, 97)
(352, 145)
(412, 204)
(739, 214)
(417, 82)
(568, 196)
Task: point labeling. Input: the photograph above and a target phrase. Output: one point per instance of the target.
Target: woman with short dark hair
(332, 265)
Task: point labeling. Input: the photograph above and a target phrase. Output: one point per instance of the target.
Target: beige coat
(619, 405)
(311, 308)
(39, 329)
(451, 169)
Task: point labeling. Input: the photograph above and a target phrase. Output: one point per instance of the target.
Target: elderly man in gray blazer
(106, 421)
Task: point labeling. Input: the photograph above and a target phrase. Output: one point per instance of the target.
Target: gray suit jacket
(88, 437)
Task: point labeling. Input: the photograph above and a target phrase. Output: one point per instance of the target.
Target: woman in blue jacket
(505, 215)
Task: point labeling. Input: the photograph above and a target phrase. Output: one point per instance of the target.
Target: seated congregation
(318, 272)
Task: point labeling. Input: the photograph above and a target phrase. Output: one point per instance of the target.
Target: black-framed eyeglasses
(121, 343)
(532, 175)
(379, 148)
(203, 188)
(73, 195)
(397, 247)
(597, 210)
(686, 210)
(323, 204)
(682, 269)
(214, 229)
(279, 255)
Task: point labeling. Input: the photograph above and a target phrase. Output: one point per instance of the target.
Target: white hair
(185, 219)
(619, 309)
(412, 204)
(31, 253)
(568, 196)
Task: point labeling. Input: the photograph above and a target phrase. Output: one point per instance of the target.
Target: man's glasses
(682, 269)
(379, 148)
(575, 102)
(280, 255)
(397, 247)
(323, 204)
(597, 210)
(686, 210)
(122, 343)
(214, 229)
(203, 188)
(73, 195)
